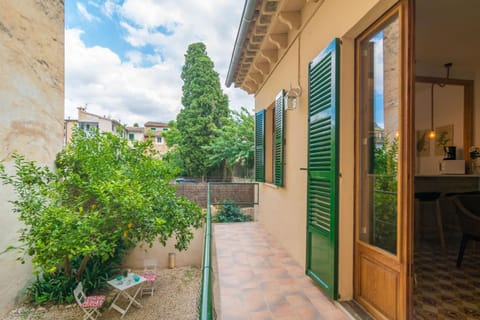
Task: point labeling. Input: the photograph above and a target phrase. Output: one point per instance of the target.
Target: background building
(87, 120)
(135, 133)
(154, 131)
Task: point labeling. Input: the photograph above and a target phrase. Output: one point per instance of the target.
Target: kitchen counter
(447, 183)
(447, 175)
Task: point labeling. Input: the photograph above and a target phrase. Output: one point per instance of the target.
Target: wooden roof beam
(256, 77)
(280, 40)
(270, 55)
(292, 19)
(262, 67)
(264, 19)
(249, 86)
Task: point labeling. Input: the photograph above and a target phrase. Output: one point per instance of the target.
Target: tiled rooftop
(257, 279)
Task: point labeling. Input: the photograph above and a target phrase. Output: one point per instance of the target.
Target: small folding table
(122, 285)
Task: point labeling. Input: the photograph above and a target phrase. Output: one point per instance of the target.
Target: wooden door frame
(408, 176)
(403, 261)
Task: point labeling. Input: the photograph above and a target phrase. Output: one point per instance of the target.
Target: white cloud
(138, 58)
(96, 76)
(124, 89)
(151, 13)
(84, 12)
(213, 22)
(109, 7)
(135, 57)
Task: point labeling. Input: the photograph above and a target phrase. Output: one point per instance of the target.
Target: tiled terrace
(257, 279)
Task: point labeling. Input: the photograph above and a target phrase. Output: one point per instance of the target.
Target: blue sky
(378, 69)
(123, 58)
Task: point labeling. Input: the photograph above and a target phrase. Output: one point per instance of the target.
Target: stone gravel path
(176, 298)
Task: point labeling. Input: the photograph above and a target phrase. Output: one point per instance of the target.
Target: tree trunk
(82, 267)
(68, 271)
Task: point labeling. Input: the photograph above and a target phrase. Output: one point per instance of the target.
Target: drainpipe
(247, 15)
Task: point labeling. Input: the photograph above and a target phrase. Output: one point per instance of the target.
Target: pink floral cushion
(150, 277)
(93, 301)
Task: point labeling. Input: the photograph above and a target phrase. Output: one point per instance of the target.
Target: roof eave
(247, 15)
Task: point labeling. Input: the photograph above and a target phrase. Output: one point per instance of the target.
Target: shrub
(101, 190)
(57, 287)
(230, 212)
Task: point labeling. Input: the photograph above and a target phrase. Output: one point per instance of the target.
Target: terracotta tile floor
(257, 279)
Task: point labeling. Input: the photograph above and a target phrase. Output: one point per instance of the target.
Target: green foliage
(172, 135)
(57, 287)
(234, 142)
(386, 185)
(230, 212)
(173, 157)
(101, 192)
(205, 109)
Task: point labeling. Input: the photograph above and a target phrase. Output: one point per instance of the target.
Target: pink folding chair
(149, 273)
(89, 304)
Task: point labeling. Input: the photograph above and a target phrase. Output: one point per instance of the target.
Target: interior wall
(448, 110)
(476, 109)
(457, 72)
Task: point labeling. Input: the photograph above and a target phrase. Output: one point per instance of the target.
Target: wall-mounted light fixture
(432, 134)
(291, 98)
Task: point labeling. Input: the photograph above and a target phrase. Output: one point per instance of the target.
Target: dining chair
(468, 209)
(150, 274)
(89, 304)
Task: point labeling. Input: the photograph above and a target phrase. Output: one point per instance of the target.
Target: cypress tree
(205, 108)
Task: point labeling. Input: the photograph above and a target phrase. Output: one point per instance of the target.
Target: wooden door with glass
(383, 160)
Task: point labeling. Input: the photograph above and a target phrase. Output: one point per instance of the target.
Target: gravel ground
(176, 298)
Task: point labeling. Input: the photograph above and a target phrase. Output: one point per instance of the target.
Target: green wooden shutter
(279, 138)
(260, 146)
(322, 202)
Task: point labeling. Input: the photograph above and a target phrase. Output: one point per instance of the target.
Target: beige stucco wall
(190, 257)
(31, 109)
(283, 210)
(138, 136)
(160, 147)
(69, 126)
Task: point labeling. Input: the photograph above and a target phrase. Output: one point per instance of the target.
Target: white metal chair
(89, 304)
(149, 273)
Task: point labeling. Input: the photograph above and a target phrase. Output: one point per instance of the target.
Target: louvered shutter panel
(279, 138)
(260, 146)
(322, 204)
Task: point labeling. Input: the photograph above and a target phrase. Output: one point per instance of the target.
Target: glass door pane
(379, 91)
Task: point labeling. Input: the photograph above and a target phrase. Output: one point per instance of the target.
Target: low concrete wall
(191, 257)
